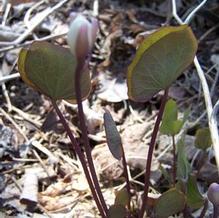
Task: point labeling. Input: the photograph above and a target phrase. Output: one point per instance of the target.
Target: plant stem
(81, 158)
(204, 210)
(83, 127)
(216, 211)
(128, 187)
(174, 160)
(150, 153)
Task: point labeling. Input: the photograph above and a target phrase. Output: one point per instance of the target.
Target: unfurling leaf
(170, 125)
(194, 198)
(122, 197)
(112, 135)
(159, 60)
(50, 69)
(117, 211)
(203, 138)
(183, 165)
(169, 203)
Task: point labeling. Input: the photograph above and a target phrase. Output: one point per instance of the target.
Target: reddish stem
(81, 158)
(128, 187)
(83, 127)
(150, 153)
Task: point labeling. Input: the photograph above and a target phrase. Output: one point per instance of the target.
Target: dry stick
(4, 79)
(212, 123)
(54, 36)
(150, 153)
(14, 124)
(23, 36)
(78, 73)
(81, 157)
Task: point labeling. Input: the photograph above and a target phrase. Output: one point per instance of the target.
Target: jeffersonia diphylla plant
(62, 73)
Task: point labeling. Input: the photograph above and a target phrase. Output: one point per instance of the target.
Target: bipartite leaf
(194, 197)
(117, 211)
(183, 165)
(51, 70)
(112, 135)
(159, 60)
(122, 197)
(169, 117)
(203, 138)
(169, 203)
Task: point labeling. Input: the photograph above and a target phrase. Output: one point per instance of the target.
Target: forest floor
(33, 142)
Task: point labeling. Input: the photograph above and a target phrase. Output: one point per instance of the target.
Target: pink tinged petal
(74, 31)
(82, 43)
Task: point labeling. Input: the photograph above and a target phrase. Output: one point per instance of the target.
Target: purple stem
(83, 127)
(204, 210)
(216, 211)
(150, 153)
(81, 157)
(128, 187)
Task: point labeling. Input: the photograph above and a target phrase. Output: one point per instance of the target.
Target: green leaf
(117, 211)
(169, 117)
(159, 60)
(50, 69)
(183, 165)
(203, 138)
(169, 203)
(194, 198)
(170, 125)
(122, 197)
(177, 126)
(112, 135)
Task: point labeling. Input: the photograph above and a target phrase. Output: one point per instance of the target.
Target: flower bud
(81, 36)
(213, 194)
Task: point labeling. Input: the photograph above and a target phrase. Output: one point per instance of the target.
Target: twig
(211, 121)
(174, 12)
(4, 89)
(150, 153)
(30, 10)
(96, 8)
(212, 90)
(194, 11)
(7, 10)
(40, 19)
(42, 164)
(208, 32)
(26, 117)
(6, 95)
(4, 79)
(11, 47)
(14, 124)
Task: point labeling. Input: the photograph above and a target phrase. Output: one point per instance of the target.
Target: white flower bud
(81, 36)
